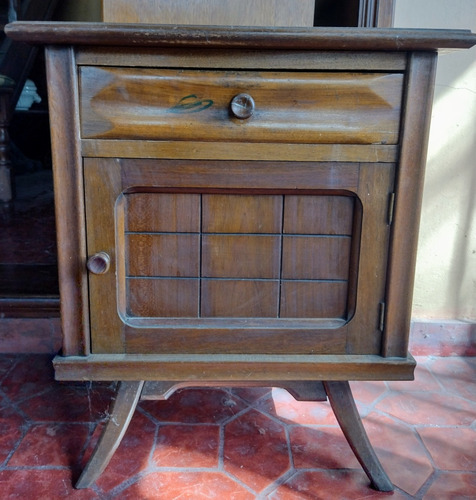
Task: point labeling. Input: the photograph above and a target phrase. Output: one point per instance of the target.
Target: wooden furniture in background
(237, 207)
(16, 60)
(211, 12)
(362, 13)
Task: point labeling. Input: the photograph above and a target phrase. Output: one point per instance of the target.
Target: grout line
(280, 481)
(221, 448)
(427, 484)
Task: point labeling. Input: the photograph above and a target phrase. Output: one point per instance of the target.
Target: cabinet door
(237, 257)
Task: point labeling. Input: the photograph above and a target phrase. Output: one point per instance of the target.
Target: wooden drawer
(194, 105)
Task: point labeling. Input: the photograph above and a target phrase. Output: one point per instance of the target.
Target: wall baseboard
(427, 338)
(30, 335)
(442, 338)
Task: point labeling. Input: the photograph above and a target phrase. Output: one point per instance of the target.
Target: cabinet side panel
(410, 176)
(68, 181)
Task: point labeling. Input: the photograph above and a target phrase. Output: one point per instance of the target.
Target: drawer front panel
(193, 105)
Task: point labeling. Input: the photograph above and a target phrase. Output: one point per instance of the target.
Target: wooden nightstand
(246, 202)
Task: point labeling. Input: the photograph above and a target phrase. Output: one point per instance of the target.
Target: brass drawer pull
(242, 106)
(99, 263)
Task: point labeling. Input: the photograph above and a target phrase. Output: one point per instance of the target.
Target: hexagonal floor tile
(256, 449)
(186, 486)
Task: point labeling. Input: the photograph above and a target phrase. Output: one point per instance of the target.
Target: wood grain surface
(211, 12)
(354, 108)
(123, 35)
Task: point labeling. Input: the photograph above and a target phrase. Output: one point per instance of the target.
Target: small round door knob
(99, 263)
(242, 106)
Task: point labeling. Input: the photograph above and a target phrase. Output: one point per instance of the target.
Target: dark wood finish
(234, 334)
(214, 58)
(300, 390)
(240, 256)
(410, 177)
(102, 187)
(166, 298)
(178, 213)
(316, 257)
(123, 408)
(261, 261)
(285, 176)
(314, 299)
(195, 106)
(345, 410)
(233, 367)
(243, 298)
(99, 263)
(162, 255)
(37, 306)
(227, 262)
(332, 215)
(242, 213)
(238, 151)
(376, 184)
(69, 195)
(102, 34)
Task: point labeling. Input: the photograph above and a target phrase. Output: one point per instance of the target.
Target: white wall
(445, 285)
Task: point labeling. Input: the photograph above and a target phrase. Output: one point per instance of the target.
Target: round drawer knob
(99, 263)
(242, 106)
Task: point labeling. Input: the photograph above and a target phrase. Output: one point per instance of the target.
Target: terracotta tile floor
(238, 444)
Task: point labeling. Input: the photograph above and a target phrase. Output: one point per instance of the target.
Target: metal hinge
(381, 321)
(391, 206)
